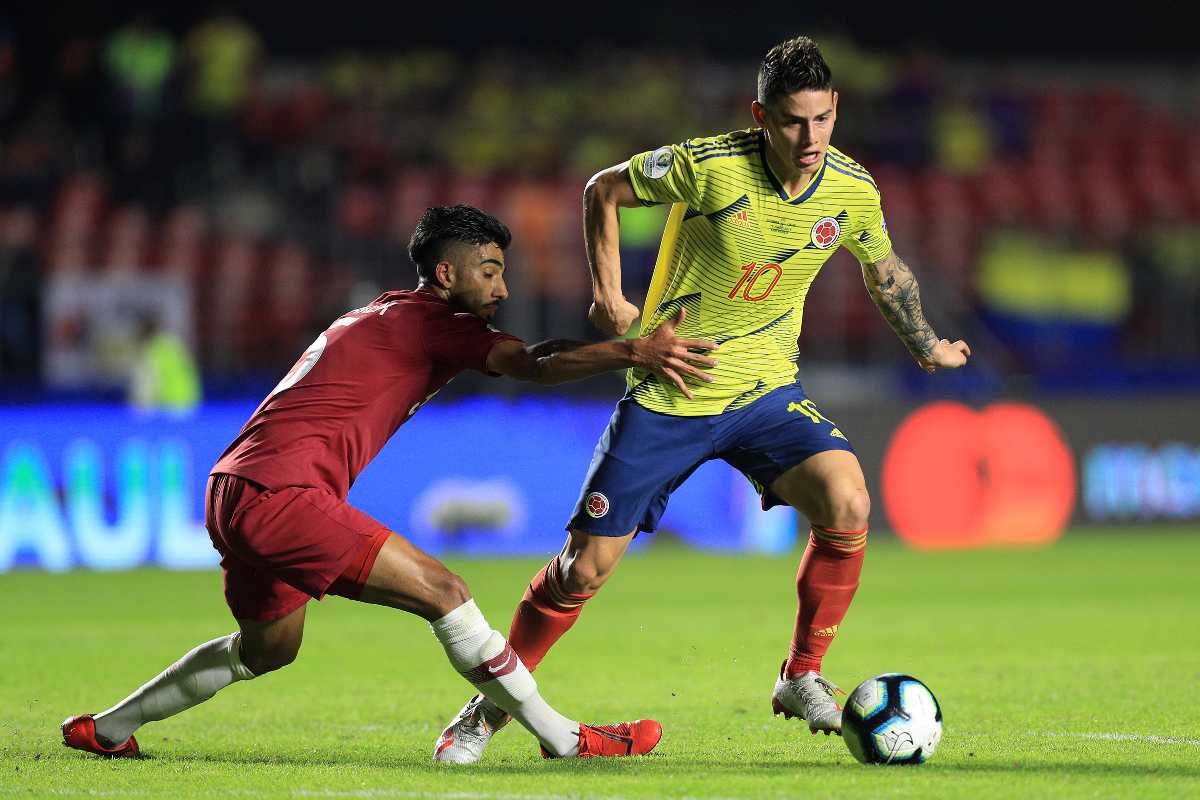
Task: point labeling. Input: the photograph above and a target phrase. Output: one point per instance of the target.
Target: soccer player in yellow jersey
(754, 215)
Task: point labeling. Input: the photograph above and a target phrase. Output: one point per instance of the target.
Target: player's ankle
(561, 749)
(796, 666)
(107, 743)
(494, 715)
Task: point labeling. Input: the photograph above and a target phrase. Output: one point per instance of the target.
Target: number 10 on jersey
(754, 274)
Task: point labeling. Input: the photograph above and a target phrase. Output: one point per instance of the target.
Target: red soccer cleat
(623, 739)
(80, 732)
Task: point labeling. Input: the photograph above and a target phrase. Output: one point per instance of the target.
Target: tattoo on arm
(894, 289)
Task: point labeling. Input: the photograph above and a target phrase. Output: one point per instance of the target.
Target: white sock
(485, 659)
(200, 674)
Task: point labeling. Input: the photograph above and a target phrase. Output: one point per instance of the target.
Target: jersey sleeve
(669, 174)
(463, 341)
(869, 240)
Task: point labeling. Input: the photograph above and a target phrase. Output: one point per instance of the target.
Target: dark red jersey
(358, 382)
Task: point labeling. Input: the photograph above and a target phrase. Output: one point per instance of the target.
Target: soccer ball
(892, 719)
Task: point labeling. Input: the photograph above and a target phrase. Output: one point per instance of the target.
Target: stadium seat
(181, 241)
(128, 240)
(289, 297)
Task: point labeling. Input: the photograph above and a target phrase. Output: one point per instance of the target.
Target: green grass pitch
(1067, 672)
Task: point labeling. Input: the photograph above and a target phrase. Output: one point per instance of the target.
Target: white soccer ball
(892, 719)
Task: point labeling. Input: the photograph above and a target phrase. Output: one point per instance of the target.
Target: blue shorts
(643, 456)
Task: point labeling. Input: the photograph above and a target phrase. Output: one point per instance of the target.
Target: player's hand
(670, 357)
(946, 355)
(614, 316)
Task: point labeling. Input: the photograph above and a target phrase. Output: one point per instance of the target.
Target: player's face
(477, 282)
(798, 127)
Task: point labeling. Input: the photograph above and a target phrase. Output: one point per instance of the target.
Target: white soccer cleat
(810, 697)
(467, 735)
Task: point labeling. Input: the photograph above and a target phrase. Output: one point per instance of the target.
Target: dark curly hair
(792, 66)
(442, 226)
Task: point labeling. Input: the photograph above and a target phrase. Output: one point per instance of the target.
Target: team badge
(825, 233)
(658, 163)
(596, 505)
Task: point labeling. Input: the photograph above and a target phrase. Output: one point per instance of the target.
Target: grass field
(1068, 672)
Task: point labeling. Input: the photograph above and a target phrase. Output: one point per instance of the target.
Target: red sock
(825, 583)
(544, 614)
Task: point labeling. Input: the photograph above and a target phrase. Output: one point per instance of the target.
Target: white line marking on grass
(473, 795)
(417, 795)
(56, 792)
(412, 794)
(337, 793)
(1121, 737)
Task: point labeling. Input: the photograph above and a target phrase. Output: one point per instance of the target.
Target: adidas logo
(831, 631)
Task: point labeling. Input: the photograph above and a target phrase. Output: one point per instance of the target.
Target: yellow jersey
(739, 254)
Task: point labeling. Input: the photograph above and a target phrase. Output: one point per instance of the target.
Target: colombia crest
(596, 505)
(825, 233)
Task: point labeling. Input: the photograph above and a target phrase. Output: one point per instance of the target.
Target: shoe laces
(474, 721)
(602, 739)
(818, 691)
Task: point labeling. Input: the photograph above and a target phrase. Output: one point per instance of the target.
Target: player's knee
(850, 508)
(268, 658)
(585, 577)
(588, 560)
(450, 591)
(435, 594)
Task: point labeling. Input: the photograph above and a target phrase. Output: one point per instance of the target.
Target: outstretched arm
(559, 360)
(895, 291)
(606, 193)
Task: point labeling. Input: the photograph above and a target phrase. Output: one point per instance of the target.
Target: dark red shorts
(282, 547)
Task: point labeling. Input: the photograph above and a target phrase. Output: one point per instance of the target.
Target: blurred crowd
(1052, 213)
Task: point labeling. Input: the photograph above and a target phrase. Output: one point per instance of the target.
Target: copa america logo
(658, 163)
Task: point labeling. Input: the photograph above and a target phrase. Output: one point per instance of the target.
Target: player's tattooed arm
(896, 292)
(894, 289)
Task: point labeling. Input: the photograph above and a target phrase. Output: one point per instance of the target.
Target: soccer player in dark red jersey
(276, 505)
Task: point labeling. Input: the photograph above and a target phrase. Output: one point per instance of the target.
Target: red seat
(181, 242)
(128, 240)
(289, 297)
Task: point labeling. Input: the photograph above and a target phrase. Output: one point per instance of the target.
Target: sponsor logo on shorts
(825, 233)
(596, 505)
(658, 163)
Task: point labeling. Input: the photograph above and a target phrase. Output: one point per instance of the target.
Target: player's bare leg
(404, 577)
(829, 489)
(257, 648)
(555, 596)
(552, 603)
